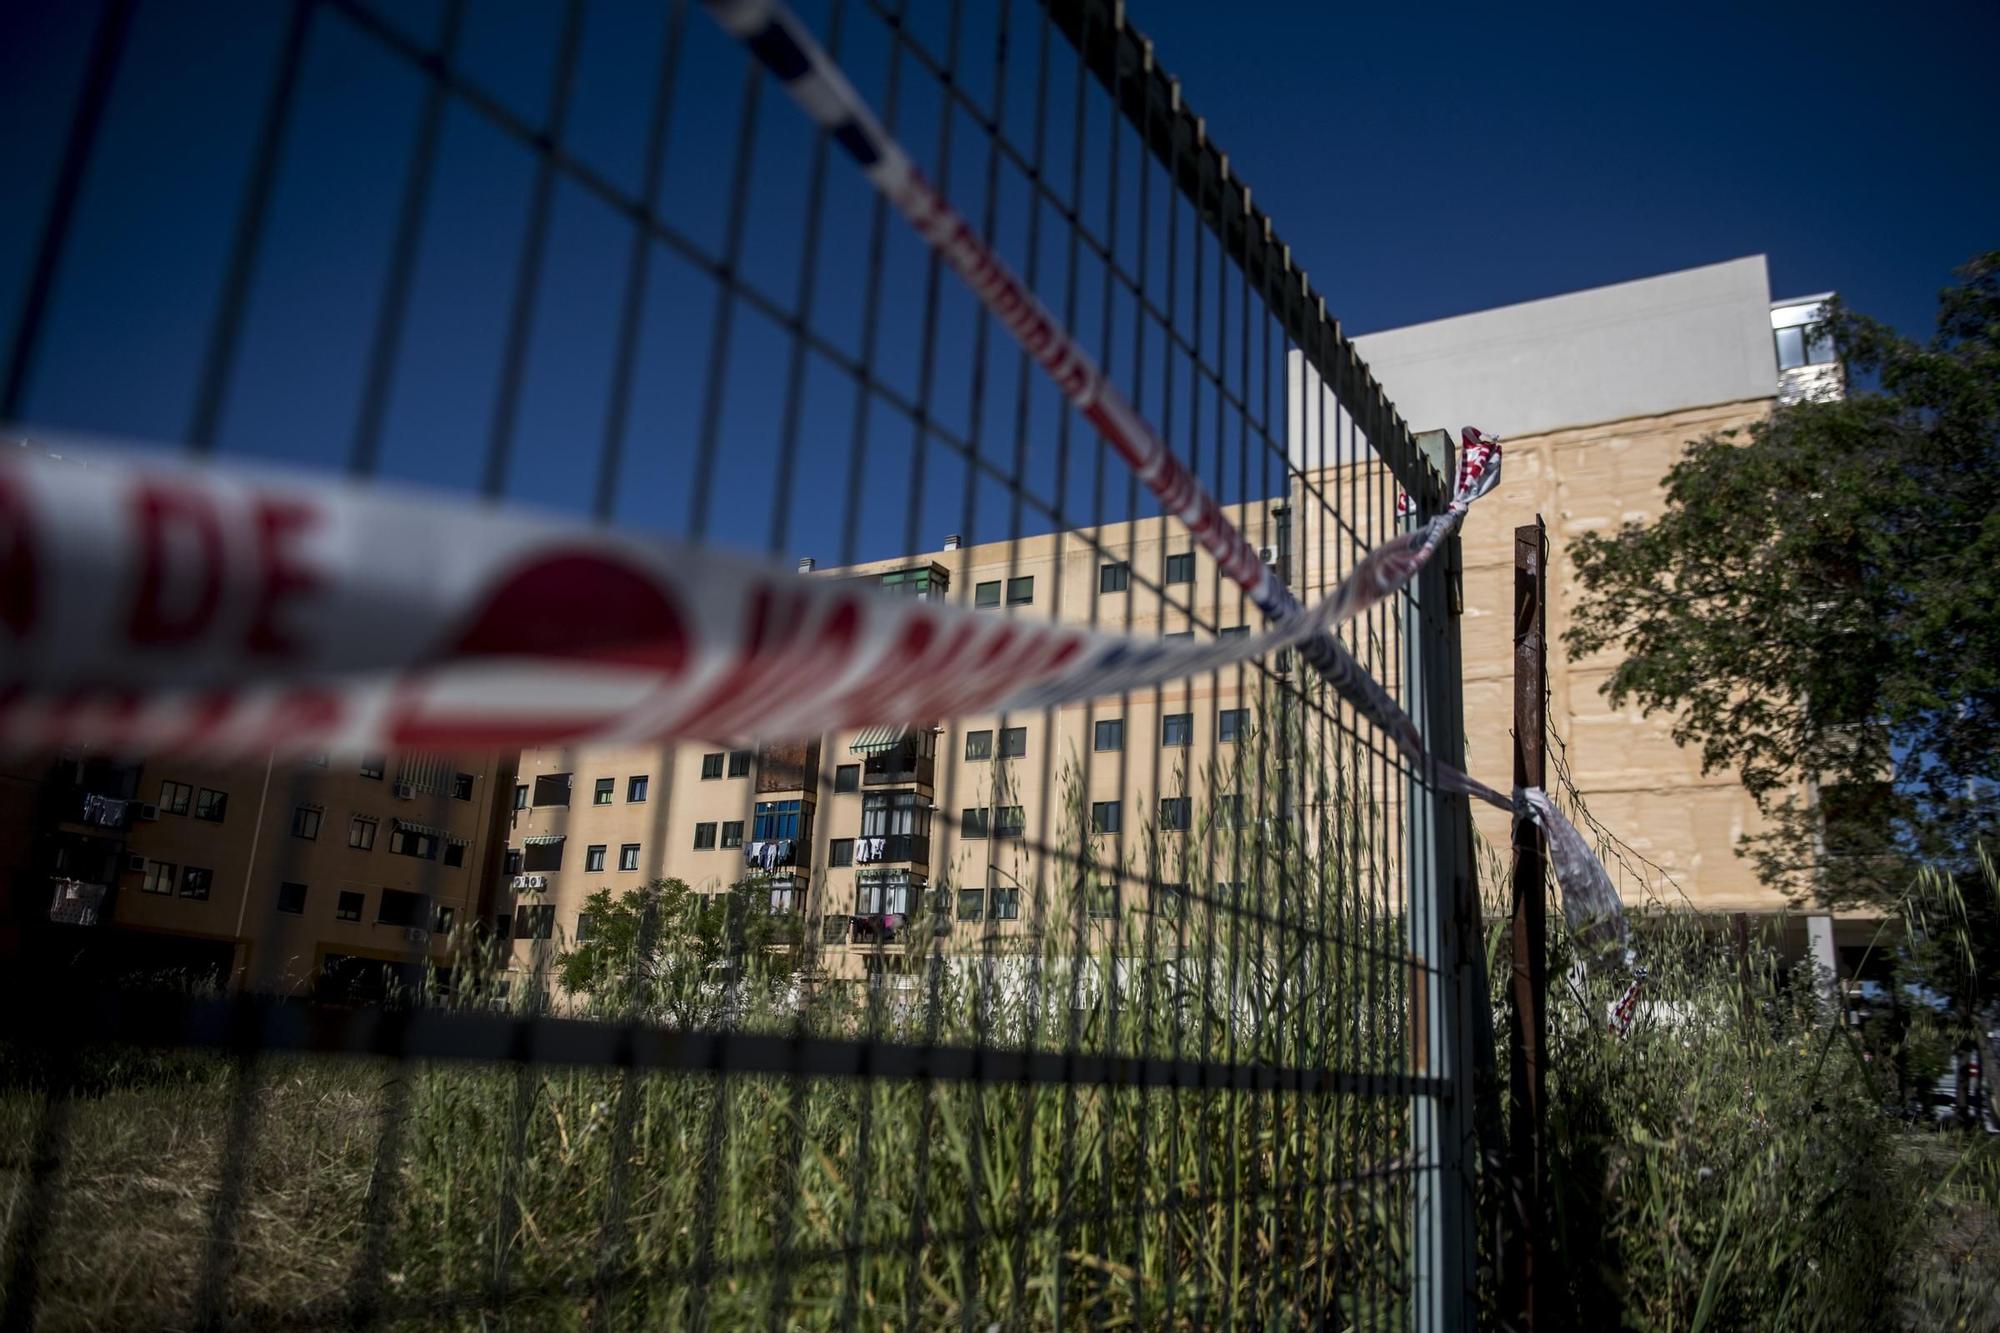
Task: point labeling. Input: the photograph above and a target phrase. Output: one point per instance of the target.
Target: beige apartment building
(881, 839)
(340, 875)
(1595, 394)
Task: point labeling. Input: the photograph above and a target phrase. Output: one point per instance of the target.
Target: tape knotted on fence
(1591, 908)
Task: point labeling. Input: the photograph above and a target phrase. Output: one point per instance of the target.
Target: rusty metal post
(1527, 1265)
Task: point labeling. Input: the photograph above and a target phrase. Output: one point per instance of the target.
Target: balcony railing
(78, 903)
(879, 928)
(101, 811)
(892, 848)
(899, 767)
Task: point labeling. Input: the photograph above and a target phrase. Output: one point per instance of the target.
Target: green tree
(665, 949)
(1818, 605)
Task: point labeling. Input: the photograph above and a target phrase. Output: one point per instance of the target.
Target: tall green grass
(552, 1198)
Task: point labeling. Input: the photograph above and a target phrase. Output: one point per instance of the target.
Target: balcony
(879, 928)
(99, 810)
(770, 853)
(78, 903)
(892, 849)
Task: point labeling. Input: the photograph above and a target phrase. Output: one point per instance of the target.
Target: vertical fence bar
(1526, 1266)
(1745, 996)
(1442, 1286)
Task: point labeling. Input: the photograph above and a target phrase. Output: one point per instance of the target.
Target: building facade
(343, 876)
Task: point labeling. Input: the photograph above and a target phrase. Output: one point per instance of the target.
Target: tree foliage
(1818, 605)
(667, 950)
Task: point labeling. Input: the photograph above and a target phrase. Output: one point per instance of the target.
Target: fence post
(1527, 1264)
(1442, 987)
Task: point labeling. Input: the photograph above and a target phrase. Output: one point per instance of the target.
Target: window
(1104, 817)
(1180, 568)
(1021, 591)
(711, 767)
(161, 876)
(175, 797)
(602, 792)
(775, 819)
(520, 796)
(1175, 816)
(535, 921)
(407, 841)
(986, 594)
(840, 852)
(195, 882)
(1179, 636)
(1006, 903)
(881, 891)
(739, 763)
(1101, 896)
(397, 908)
(974, 823)
(454, 853)
(1114, 578)
(628, 856)
(593, 857)
(1231, 724)
(585, 927)
(1109, 734)
(374, 765)
(922, 582)
(348, 908)
(636, 787)
(211, 805)
(978, 745)
(1232, 632)
(543, 854)
(461, 786)
(1008, 821)
(1013, 742)
(292, 899)
(704, 836)
(899, 816)
(847, 777)
(510, 861)
(971, 904)
(305, 821)
(1229, 810)
(552, 789)
(1802, 339)
(732, 833)
(443, 919)
(1177, 730)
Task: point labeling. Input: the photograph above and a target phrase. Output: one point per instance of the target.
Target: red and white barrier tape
(152, 607)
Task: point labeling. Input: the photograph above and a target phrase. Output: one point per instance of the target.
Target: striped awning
(877, 740)
(544, 839)
(428, 830)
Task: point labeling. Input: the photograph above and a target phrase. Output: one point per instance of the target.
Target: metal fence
(591, 258)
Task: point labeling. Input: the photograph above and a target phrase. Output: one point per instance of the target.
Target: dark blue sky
(1420, 161)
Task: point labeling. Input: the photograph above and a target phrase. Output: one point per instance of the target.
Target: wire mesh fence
(1147, 1010)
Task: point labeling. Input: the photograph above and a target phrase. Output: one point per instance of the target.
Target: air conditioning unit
(417, 935)
(146, 810)
(136, 864)
(403, 791)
